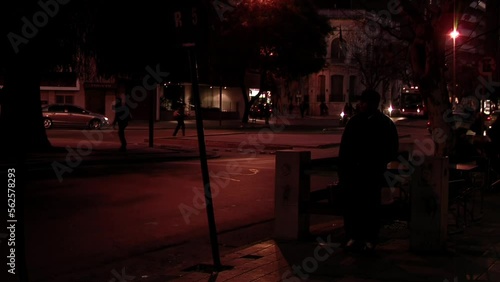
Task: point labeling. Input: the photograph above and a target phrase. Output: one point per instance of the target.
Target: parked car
(65, 115)
(261, 110)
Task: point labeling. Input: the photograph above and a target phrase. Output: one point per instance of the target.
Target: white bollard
(292, 186)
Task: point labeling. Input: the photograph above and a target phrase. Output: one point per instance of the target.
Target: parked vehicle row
(66, 115)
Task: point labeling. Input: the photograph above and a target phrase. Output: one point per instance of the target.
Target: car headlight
(105, 118)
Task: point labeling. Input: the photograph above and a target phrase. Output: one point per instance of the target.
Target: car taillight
(488, 118)
(428, 123)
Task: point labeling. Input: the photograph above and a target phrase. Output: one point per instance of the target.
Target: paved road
(114, 211)
(102, 213)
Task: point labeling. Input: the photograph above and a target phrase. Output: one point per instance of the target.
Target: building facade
(349, 65)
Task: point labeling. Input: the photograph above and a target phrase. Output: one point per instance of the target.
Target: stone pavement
(471, 256)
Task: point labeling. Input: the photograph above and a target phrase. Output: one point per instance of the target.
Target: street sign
(487, 66)
(188, 19)
(185, 21)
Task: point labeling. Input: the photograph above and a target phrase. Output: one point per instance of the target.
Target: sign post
(186, 22)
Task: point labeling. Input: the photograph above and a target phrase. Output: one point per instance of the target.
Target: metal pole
(220, 105)
(454, 71)
(151, 119)
(203, 156)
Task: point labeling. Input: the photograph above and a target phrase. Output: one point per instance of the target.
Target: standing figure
(478, 125)
(267, 112)
(348, 112)
(122, 117)
(302, 107)
(179, 116)
(369, 142)
(348, 109)
(323, 109)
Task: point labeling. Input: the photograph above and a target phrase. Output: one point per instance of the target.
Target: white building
(347, 72)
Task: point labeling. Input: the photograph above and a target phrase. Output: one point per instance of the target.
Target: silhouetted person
(179, 116)
(302, 108)
(266, 111)
(494, 146)
(348, 109)
(465, 151)
(369, 142)
(323, 109)
(478, 125)
(122, 117)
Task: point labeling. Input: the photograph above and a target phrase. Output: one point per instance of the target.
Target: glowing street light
(454, 34)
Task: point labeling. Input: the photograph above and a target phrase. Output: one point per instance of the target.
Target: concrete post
(292, 186)
(429, 205)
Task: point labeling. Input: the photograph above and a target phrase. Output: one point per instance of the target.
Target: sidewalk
(471, 256)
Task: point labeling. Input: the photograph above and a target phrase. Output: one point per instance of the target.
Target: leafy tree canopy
(286, 37)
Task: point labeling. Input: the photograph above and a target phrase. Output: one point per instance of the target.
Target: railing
(427, 207)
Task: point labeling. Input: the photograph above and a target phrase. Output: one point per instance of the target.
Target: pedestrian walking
(122, 118)
(369, 142)
(179, 116)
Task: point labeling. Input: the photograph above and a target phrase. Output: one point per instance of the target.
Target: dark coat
(369, 143)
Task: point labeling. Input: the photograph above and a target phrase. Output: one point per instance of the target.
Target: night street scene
(250, 140)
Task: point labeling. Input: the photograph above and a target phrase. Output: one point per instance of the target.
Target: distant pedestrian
(267, 112)
(302, 107)
(369, 142)
(323, 109)
(122, 118)
(180, 116)
(348, 109)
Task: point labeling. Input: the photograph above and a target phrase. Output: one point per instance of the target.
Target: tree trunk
(23, 132)
(21, 116)
(439, 108)
(427, 58)
(244, 92)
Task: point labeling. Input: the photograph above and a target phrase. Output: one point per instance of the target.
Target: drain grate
(252, 257)
(207, 268)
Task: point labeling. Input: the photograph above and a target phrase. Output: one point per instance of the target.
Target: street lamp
(454, 34)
